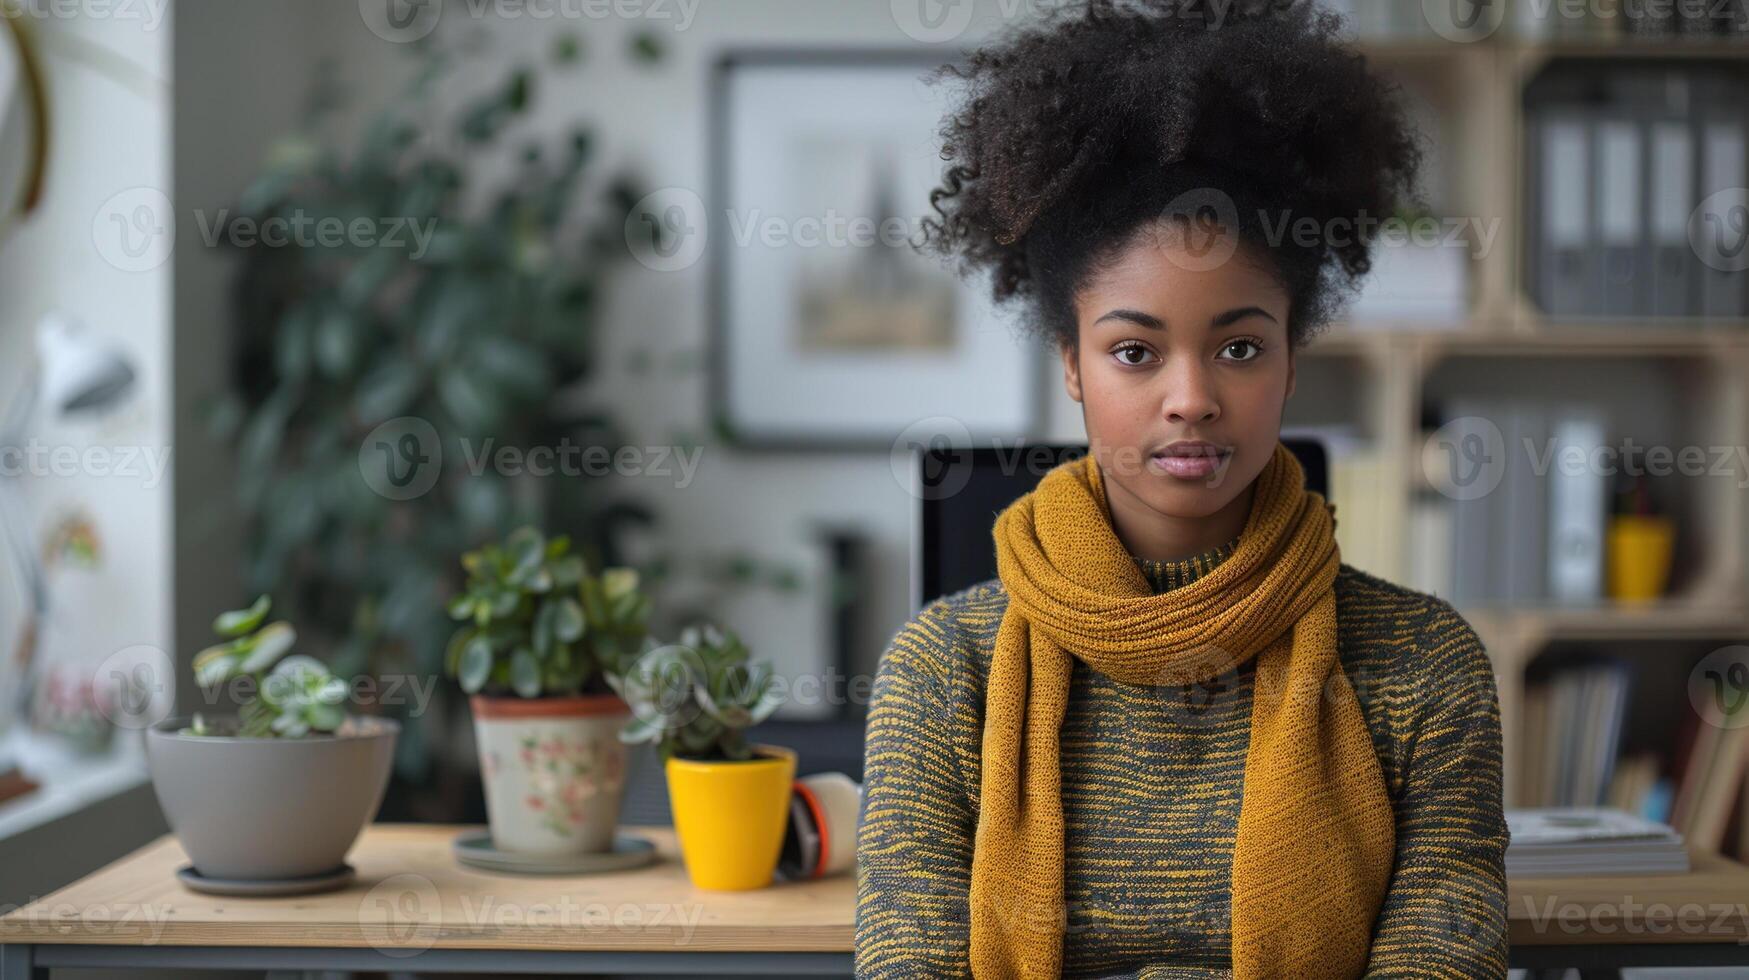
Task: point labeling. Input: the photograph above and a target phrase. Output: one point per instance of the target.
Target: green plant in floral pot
(540, 634)
(274, 796)
(730, 799)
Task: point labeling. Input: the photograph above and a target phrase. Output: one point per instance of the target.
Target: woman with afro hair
(1177, 736)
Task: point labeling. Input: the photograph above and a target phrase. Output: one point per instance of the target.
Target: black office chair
(962, 491)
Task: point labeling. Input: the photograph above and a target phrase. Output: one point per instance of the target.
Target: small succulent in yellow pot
(695, 700)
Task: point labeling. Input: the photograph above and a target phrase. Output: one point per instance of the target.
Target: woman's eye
(1257, 348)
(1133, 355)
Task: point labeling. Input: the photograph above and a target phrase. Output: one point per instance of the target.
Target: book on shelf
(1590, 841)
(1362, 480)
(1634, 787)
(1359, 482)
(1538, 534)
(1711, 763)
(1573, 720)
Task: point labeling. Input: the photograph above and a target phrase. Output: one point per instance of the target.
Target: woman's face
(1171, 349)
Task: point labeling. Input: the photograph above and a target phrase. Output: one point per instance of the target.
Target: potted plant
(540, 634)
(730, 799)
(278, 793)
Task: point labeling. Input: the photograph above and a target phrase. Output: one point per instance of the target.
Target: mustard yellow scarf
(1316, 838)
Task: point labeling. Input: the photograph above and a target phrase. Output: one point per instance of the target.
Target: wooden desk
(414, 907)
(1601, 923)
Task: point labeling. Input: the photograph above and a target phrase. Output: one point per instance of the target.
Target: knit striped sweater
(1152, 780)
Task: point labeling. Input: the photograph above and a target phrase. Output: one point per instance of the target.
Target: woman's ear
(1290, 374)
(1071, 370)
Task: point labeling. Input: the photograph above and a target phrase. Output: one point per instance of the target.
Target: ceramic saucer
(266, 887)
(475, 849)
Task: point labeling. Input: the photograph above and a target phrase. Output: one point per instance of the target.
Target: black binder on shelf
(1564, 270)
(1670, 289)
(1722, 218)
(1618, 201)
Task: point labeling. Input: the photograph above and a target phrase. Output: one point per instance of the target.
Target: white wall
(109, 106)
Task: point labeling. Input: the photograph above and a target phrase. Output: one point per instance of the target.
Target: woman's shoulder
(949, 640)
(1389, 627)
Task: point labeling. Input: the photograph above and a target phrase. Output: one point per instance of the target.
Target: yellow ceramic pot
(1640, 551)
(730, 816)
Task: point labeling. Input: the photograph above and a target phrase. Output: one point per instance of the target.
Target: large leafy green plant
(487, 336)
(539, 623)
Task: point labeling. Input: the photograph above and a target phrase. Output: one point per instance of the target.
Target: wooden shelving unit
(1378, 376)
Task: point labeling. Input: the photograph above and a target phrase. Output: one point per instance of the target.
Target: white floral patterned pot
(554, 770)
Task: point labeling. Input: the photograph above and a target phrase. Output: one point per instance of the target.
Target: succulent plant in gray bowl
(280, 791)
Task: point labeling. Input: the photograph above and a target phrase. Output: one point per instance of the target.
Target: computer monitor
(961, 491)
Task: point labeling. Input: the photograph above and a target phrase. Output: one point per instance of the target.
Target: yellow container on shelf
(1639, 555)
(730, 817)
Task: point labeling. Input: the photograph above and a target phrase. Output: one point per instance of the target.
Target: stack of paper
(1590, 841)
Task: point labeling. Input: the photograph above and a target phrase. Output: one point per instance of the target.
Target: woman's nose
(1190, 395)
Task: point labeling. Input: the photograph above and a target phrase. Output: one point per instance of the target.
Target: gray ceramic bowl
(266, 808)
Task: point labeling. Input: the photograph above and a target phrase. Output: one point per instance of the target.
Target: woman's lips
(1188, 467)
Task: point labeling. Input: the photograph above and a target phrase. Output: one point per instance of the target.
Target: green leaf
(625, 606)
(337, 344)
(452, 654)
(527, 548)
(461, 606)
(386, 392)
(292, 342)
(567, 571)
(290, 726)
(525, 673)
(512, 363)
(568, 623)
(517, 93)
(240, 621)
(476, 665)
(474, 406)
(325, 717)
(641, 729)
(542, 630)
(269, 645)
(218, 662)
(647, 48)
(566, 49)
(619, 582)
(541, 581)
(594, 605)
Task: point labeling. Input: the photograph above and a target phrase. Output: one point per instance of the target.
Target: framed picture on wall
(829, 329)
